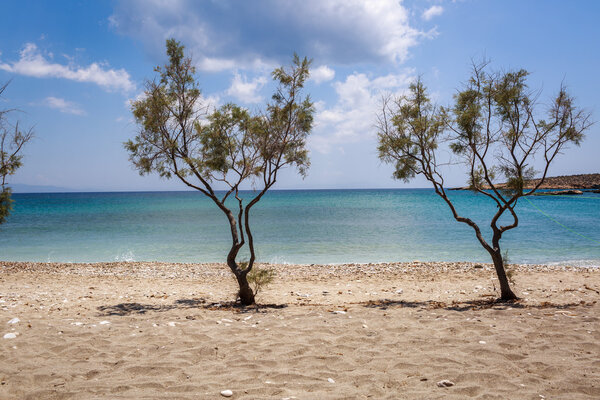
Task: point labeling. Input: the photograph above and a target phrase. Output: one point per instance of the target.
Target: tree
(179, 138)
(12, 140)
(494, 129)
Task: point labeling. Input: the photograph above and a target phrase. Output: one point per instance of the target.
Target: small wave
(126, 256)
(576, 263)
(278, 260)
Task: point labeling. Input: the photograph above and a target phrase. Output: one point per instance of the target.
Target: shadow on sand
(124, 309)
(469, 305)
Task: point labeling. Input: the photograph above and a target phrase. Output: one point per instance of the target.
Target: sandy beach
(354, 331)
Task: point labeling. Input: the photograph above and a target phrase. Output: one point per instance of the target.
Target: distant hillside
(582, 181)
(23, 188)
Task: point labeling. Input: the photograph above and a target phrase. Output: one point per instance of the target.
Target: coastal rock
(583, 181)
(445, 383)
(226, 393)
(559, 193)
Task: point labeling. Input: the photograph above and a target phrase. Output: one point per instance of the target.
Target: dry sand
(377, 331)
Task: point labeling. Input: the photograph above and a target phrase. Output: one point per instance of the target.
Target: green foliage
(510, 272)
(409, 132)
(179, 137)
(492, 127)
(5, 204)
(12, 140)
(259, 278)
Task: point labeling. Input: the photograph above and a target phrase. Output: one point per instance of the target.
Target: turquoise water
(304, 226)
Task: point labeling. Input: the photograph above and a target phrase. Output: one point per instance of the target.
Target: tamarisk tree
(179, 138)
(12, 140)
(495, 129)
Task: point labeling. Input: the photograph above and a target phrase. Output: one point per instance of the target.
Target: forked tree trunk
(505, 291)
(245, 294)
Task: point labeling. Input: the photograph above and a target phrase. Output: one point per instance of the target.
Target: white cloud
(322, 74)
(33, 63)
(431, 12)
(229, 34)
(352, 118)
(244, 90)
(63, 105)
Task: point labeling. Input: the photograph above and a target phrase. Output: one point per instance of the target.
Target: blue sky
(74, 66)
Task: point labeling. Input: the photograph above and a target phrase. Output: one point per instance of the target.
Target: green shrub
(259, 278)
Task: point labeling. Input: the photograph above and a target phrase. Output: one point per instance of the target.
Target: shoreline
(393, 330)
(562, 265)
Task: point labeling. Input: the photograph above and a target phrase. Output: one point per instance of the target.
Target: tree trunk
(505, 291)
(245, 294)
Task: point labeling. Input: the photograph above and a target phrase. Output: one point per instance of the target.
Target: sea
(296, 227)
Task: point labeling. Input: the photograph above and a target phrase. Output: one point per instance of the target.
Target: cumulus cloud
(431, 12)
(63, 105)
(352, 118)
(244, 90)
(231, 34)
(33, 63)
(322, 74)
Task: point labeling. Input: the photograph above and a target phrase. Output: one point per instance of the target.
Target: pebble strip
(207, 270)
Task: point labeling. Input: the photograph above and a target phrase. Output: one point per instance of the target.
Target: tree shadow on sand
(470, 305)
(124, 309)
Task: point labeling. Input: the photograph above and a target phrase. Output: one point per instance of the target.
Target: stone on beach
(226, 393)
(445, 383)
(10, 335)
(14, 321)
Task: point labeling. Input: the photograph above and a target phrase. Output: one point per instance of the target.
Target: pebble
(226, 393)
(481, 342)
(104, 322)
(339, 312)
(10, 335)
(399, 291)
(171, 324)
(14, 321)
(330, 380)
(445, 383)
